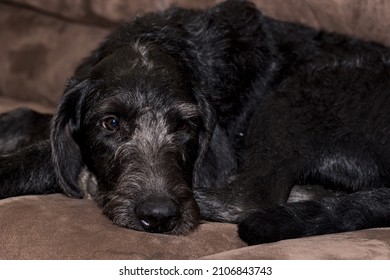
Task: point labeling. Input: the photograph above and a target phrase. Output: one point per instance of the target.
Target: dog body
(218, 114)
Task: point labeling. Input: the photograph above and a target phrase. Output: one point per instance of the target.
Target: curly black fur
(218, 114)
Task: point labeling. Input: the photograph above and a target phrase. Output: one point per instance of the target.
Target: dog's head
(141, 127)
(154, 123)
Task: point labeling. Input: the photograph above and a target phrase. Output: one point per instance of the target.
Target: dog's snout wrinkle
(158, 214)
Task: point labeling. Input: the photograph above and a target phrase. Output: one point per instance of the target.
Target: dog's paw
(259, 227)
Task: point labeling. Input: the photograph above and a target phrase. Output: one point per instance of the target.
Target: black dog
(218, 114)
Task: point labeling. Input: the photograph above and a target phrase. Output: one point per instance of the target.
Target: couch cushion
(8, 104)
(367, 244)
(58, 227)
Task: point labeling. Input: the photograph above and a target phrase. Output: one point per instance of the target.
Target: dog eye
(111, 123)
(182, 126)
(185, 126)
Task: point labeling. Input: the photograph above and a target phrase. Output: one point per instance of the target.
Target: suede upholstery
(42, 42)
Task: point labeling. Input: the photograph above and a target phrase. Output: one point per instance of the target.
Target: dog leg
(22, 127)
(28, 171)
(360, 210)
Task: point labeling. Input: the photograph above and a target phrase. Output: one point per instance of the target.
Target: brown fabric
(371, 244)
(58, 227)
(43, 41)
(368, 20)
(38, 53)
(8, 104)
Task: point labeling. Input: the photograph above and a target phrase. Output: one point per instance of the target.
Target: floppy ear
(209, 122)
(205, 134)
(216, 158)
(66, 155)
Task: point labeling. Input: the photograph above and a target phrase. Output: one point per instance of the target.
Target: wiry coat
(218, 114)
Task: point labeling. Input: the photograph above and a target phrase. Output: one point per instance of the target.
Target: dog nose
(158, 214)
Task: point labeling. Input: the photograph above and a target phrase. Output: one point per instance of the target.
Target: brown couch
(41, 43)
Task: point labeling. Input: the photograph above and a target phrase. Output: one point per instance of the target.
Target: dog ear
(215, 152)
(66, 155)
(209, 121)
